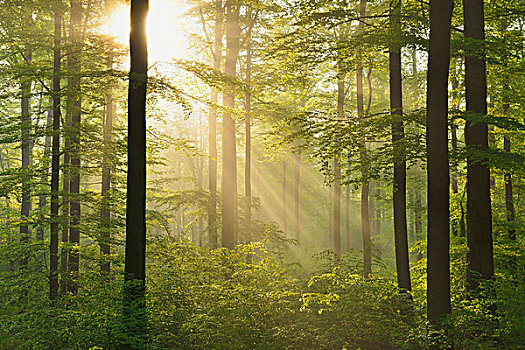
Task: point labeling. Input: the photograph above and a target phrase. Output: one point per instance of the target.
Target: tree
(106, 176)
(229, 149)
(55, 160)
(365, 185)
(25, 209)
(438, 235)
(212, 121)
(75, 110)
(479, 214)
(399, 157)
(135, 255)
(337, 166)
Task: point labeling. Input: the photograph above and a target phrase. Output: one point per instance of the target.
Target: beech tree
(135, 255)
(438, 240)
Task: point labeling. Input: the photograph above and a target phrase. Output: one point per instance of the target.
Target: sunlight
(166, 37)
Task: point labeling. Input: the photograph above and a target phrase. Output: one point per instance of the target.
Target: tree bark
(26, 156)
(105, 239)
(365, 186)
(229, 149)
(135, 252)
(509, 198)
(438, 241)
(55, 162)
(212, 139)
(399, 157)
(248, 151)
(297, 192)
(283, 196)
(42, 198)
(479, 216)
(337, 167)
(74, 66)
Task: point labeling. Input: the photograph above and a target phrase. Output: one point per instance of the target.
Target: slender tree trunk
(398, 136)
(26, 157)
(229, 149)
(509, 199)
(418, 220)
(248, 153)
(378, 219)
(330, 214)
(44, 179)
(55, 162)
(479, 216)
(212, 121)
(454, 141)
(438, 256)
(337, 168)
(74, 65)
(65, 204)
(283, 196)
(297, 203)
(365, 186)
(105, 246)
(347, 217)
(135, 253)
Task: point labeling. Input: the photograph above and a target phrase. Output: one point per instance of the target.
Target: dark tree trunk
(297, 192)
(212, 139)
(135, 258)
(55, 162)
(74, 66)
(337, 168)
(479, 216)
(438, 256)
(105, 238)
(26, 157)
(399, 157)
(365, 186)
(229, 149)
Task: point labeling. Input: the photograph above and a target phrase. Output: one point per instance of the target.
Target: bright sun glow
(166, 38)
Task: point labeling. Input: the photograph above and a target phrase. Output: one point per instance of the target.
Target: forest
(249, 174)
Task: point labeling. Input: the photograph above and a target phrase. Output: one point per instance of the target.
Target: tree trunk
(337, 167)
(347, 217)
(297, 203)
(365, 218)
(74, 66)
(399, 157)
(248, 153)
(47, 154)
(212, 139)
(509, 200)
(55, 162)
(135, 253)
(283, 196)
(26, 157)
(438, 256)
(378, 215)
(479, 216)
(105, 239)
(418, 220)
(229, 149)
